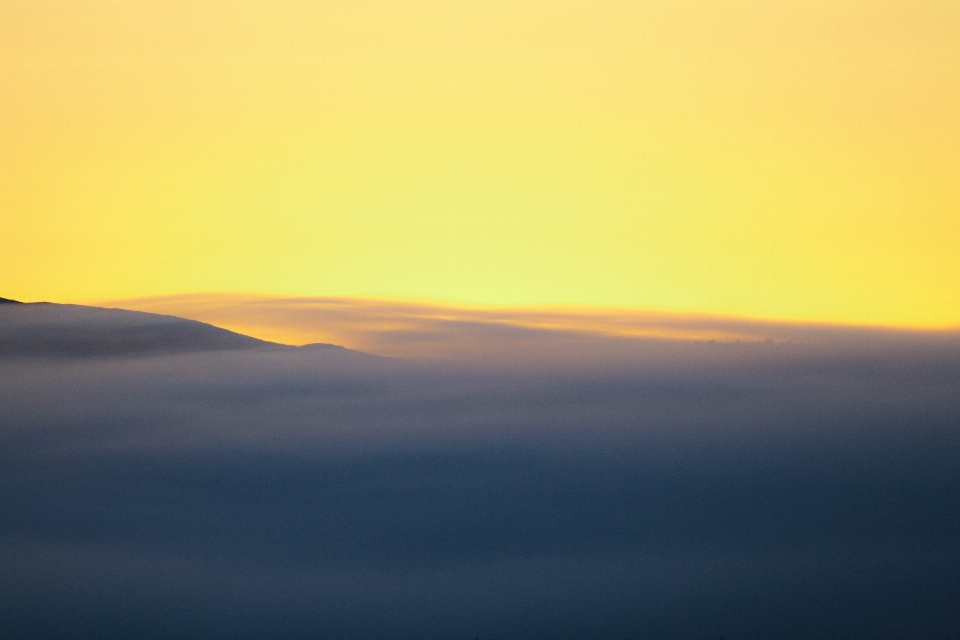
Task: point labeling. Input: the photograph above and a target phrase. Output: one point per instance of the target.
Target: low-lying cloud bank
(738, 490)
(540, 334)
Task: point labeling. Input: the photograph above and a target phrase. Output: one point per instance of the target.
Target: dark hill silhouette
(9, 301)
(72, 331)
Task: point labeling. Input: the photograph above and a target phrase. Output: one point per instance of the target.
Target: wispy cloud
(418, 329)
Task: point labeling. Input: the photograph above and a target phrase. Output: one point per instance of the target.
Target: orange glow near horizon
(361, 323)
(789, 160)
(416, 329)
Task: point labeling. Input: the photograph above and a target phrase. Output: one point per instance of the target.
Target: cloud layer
(421, 330)
(742, 490)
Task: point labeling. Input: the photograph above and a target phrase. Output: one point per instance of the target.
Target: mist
(643, 489)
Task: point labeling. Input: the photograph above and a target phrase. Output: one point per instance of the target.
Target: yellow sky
(795, 160)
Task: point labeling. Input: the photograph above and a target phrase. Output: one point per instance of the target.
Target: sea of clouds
(655, 489)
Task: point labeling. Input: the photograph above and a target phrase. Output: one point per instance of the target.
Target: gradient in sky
(793, 160)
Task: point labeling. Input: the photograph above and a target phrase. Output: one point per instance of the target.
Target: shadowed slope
(71, 331)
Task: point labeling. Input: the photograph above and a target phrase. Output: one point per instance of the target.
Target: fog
(623, 488)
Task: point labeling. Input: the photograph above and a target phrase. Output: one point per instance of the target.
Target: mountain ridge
(64, 331)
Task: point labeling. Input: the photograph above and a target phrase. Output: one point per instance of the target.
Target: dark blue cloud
(742, 491)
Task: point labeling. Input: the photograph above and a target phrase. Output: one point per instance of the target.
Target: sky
(782, 160)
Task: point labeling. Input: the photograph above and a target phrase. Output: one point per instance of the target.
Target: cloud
(420, 330)
(748, 490)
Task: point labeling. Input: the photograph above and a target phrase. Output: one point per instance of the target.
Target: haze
(181, 481)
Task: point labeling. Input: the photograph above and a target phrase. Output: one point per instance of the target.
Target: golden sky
(776, 159)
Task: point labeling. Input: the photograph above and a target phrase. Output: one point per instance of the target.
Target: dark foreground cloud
(685, 491)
